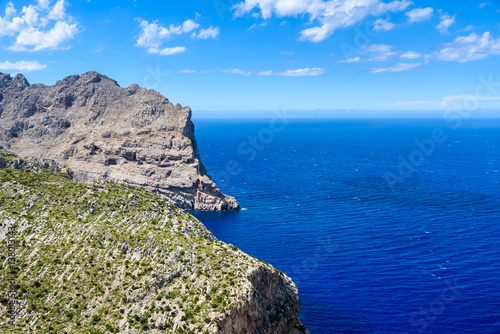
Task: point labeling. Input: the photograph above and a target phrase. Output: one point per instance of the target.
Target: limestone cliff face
(103, 132)
(271, 308)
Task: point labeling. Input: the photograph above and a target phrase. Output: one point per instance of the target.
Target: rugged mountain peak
(104, 132)
(88, 78)
(20, 81)
(5, 78)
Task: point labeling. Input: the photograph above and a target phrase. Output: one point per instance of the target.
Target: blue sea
(386, 226)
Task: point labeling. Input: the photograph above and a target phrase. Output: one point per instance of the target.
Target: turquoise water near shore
(386, 226)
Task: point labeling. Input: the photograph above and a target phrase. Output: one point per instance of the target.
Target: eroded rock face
(103, 132)
(271, 308)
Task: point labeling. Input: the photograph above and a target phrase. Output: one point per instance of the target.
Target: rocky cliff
(103, 132)
(109, 258)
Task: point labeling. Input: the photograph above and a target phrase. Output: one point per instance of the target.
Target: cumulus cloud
(329, 15)
(58, 11)
(419, 14)
(21, 66)
(383, 25)
(446, 22)
(188, 26)
(153, 35)
(400, 67)
(41, 26)
(467, 48)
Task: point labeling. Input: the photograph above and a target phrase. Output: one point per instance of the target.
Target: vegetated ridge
(109, 258)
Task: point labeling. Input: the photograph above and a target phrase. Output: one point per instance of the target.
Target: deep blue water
(423, 257)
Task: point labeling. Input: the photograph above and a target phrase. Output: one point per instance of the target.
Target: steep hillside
(107, 258)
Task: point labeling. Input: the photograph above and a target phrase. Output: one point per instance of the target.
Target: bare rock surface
(104, 132)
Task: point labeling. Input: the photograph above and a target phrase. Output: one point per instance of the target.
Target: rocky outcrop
(271, 309)
(106, 258)
(104, 132)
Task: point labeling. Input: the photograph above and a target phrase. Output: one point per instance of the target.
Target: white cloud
(446, 22)
(304, 72)
(10, 10)
(167, 51)
(468, 28)
(419, 14)
(21, 66)
(153, 35)
(58, 11)
(375, 52)
(194, 72)
(265, 73)
(462, 49)
(207, 33)
(44, 26)
(383, 25)
(36, 40)
(378, 48)
(400, 67)
(353, 60)
(468, 48)
(255, 25)
(410, 55)
(301, 72)
(483, 4)
(189, 25)
(287, 53)
(237, 71)
(330, 15)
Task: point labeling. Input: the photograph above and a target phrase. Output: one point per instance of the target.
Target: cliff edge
(103, 132)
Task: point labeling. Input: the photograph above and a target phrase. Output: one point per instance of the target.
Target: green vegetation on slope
(104, 258)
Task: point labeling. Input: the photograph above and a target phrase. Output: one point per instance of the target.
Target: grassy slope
(96, 258)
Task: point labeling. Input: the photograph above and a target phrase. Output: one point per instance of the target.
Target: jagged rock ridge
(104, 132)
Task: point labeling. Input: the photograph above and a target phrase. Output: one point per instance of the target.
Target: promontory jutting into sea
(249, 167)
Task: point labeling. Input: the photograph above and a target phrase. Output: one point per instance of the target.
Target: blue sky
(337, 56)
